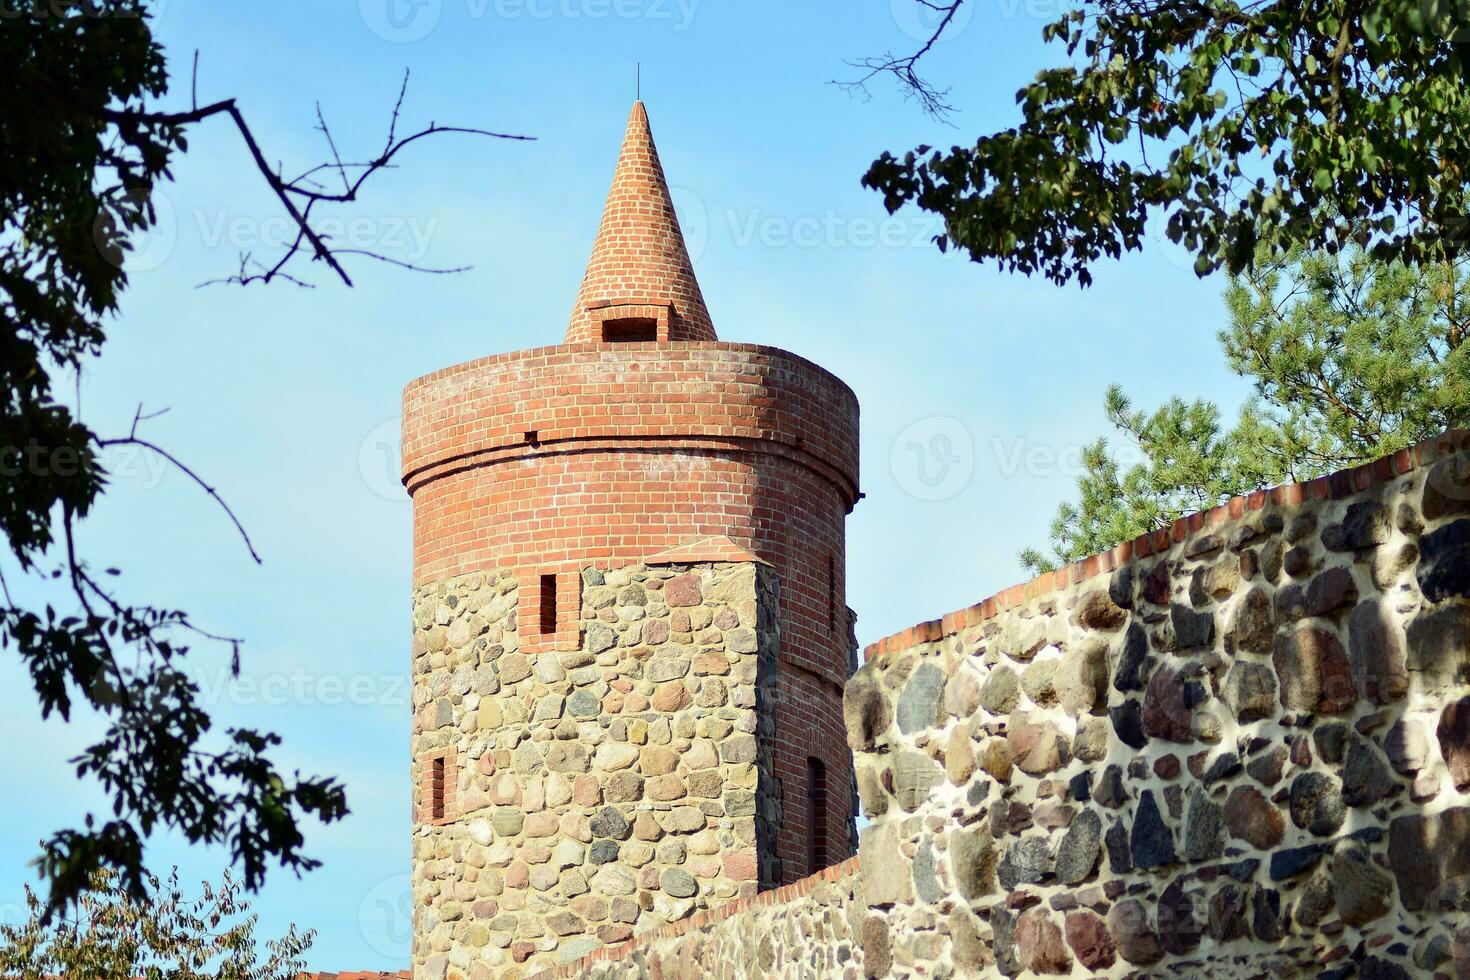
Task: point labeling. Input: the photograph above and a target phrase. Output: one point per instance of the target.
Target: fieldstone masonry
(600, 791)
(806, 929)
(1242, 753)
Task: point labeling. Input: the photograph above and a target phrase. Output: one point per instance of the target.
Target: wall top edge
(1335, 486)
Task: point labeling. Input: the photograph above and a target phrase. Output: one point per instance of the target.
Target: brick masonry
(640, 267)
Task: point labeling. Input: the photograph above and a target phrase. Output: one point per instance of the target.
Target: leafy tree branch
(1325, 123)
(113, 935)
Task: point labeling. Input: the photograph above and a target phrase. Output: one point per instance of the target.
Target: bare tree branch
(300, 195)
(133, 439)
(245, 276)
(905, 68)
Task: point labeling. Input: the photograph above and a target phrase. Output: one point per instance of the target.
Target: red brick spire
(639, 281)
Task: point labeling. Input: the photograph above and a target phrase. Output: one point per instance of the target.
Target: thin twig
(430, 270)
(326, 132)
(905, 69)
(133, 439)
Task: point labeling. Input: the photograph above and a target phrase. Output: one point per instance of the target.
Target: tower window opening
(548, 604)
(816, 808)
(628, 330)
(436, 789)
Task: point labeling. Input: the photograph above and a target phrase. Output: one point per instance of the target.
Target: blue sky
(976, 387)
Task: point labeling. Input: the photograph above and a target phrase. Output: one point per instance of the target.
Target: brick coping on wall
(776, 896)
(1335, 486)
(632, 347)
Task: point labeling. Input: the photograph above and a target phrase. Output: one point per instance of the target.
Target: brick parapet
(595, 397)
(1335, 486)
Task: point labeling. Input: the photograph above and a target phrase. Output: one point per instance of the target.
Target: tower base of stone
(571, 798)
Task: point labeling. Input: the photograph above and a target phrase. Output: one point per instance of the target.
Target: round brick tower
(642, 441)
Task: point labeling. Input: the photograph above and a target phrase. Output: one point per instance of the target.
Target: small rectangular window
(816, 809)
(436, 789)
(548, 605)
(628, 330)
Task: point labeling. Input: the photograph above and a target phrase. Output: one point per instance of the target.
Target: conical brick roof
(639, 262)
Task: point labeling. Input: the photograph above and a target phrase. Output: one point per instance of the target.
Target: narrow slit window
(629, 330)
(548, 605)
(436, 789)
(816, 798)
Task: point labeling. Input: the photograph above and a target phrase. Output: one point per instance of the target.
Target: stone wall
(573, 798)
(1239, 747)
(806, 929)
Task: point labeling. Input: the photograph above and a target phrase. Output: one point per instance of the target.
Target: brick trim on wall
(709, 917)
(641, 309)
(566, 632)
(428, 790)
(1336, 486)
